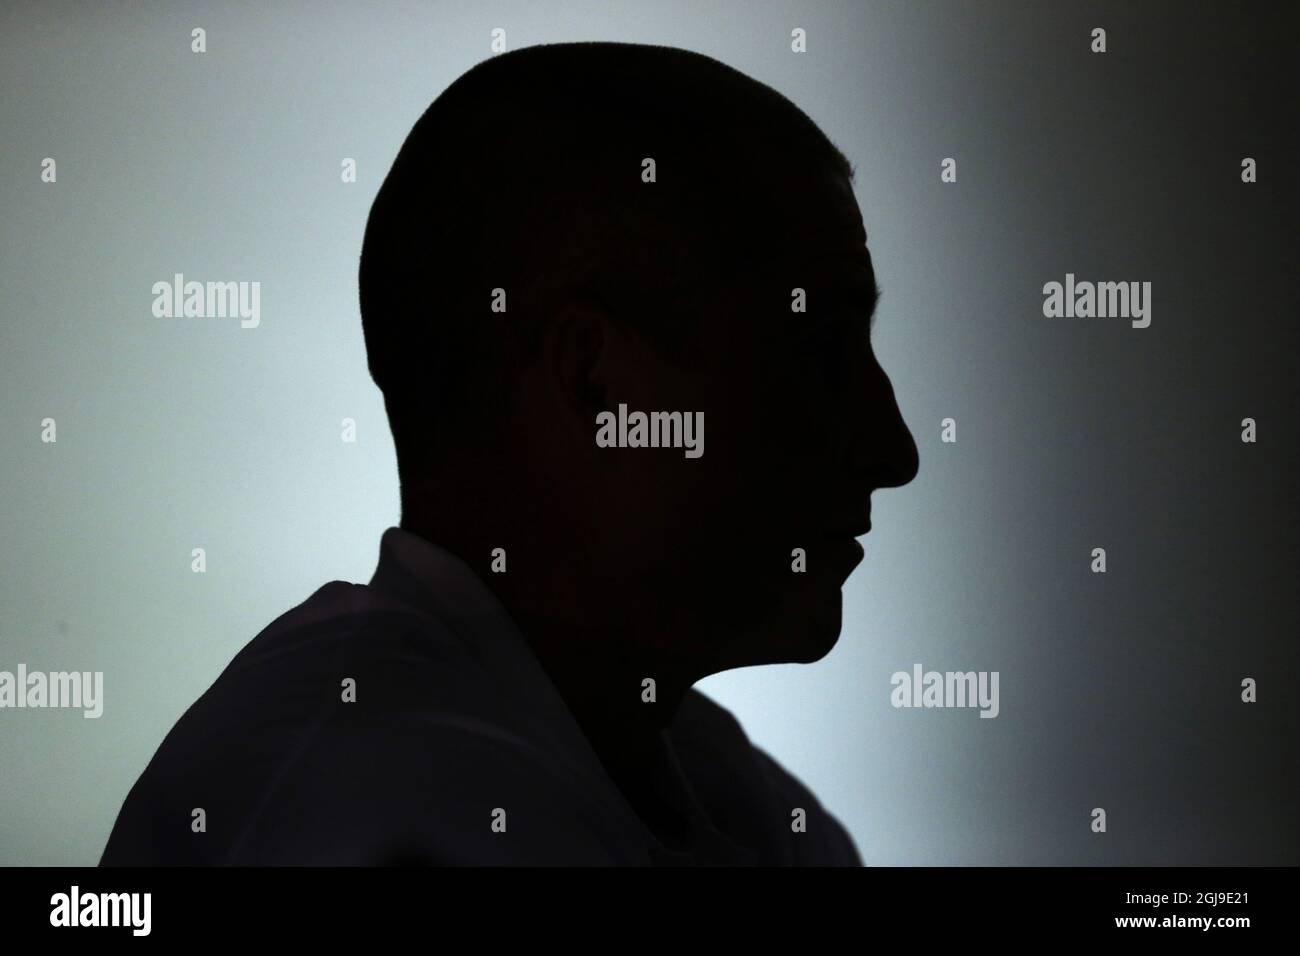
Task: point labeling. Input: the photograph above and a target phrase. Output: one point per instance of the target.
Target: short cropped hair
(526, 175)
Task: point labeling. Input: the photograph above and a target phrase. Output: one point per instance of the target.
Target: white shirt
(455, 749)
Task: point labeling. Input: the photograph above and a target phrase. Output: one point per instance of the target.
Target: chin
(812, 632)
(798, 626)
(822, 642)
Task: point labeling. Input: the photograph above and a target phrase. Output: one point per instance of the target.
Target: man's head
(663, 286)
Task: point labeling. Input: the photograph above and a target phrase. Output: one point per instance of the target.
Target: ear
(575, 359)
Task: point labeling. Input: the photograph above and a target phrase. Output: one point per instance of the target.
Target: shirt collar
(445, 586)
(441, 583)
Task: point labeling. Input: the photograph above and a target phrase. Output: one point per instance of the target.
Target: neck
(597, 644)
(612, 704)
(601, 670)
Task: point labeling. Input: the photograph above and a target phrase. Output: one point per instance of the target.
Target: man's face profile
(738, 556)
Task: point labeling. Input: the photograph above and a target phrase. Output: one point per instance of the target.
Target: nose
(881, 450)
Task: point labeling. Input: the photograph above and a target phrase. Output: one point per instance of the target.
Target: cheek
(771, 441)
(738, 497)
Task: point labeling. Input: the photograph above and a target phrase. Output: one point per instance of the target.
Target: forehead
(822, 199)
(806, 220)
(774, 231)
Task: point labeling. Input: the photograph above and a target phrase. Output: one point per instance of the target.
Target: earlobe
(574, 352)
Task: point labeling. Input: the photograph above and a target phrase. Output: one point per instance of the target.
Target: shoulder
(355, 728)
(717, 745)
(828, 841)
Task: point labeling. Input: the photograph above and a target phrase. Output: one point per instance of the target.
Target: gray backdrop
(1118, 690)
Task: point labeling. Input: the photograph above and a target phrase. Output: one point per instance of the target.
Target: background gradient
(1119, 690)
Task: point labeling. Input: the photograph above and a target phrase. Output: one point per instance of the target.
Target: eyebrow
(864, 294)
(851, 300)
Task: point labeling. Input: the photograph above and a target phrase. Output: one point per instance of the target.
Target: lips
(850, 529)
(839, 549)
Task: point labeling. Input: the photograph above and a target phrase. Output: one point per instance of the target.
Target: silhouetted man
(617, 299)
